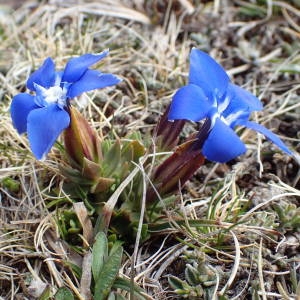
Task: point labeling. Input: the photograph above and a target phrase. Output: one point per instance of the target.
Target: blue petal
(240, 99)
(44, 76)
(222, 143)
(189, 103)
(91, 80)
(44, 126)
(207, 73)
(21, 105)
(268, 134)
(77, 66)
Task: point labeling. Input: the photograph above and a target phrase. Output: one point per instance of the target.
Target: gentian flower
(210, 94)
(43, 114)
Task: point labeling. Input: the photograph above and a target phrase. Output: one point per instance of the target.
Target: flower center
(55, 94)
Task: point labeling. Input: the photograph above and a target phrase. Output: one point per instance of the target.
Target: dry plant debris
(241, 238)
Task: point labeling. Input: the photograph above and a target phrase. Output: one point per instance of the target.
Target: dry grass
(234, 229)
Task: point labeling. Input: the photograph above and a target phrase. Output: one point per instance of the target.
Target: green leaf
(176, 283)
(108, 274)
(63, 294)
(74, 175)
(57, 202)
(112, 238)
(102, 184)
(126, 285)
(111, 159)
(184, 293)
(100, 254)
(138, 150)
(127, 152)
(46, 294)
(290, 68)
(135, 135)
(191, 275)
(115, 247)
(11, 184)
(115, 296)
(132, 151)
(111, 296)
(76, 270)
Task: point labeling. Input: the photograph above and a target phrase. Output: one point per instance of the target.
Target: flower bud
(81, 141)
(167, 132)
(173, 173)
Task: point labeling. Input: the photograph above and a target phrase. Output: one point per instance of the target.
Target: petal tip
(118, 79)
(105, 51)
(44, 126)
(296, 157)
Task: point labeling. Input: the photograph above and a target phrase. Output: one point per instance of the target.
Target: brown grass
(150, 43)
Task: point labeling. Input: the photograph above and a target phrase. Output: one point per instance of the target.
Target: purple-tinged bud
(172, 174)
(167, 132)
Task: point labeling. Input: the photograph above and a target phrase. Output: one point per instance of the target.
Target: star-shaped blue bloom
(210, 94)
(43, 114)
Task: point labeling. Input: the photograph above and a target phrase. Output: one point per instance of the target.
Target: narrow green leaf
(127, 152)
(111, 159)
(11, 184)
(191, 275)
(176, 283)
(63, 294)
(111, 296)
(46, 294)
(115, 247)
(107, 275)
(76, 270)
(115, 296)
(100, 254)
(184, 293)
(125, 284)
(120, 297)
(74, 175)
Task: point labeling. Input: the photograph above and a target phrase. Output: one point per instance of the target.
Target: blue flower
(210, 94)
(43, 114)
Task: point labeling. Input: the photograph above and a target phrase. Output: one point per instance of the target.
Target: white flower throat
(218, 111)
(55, 94)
